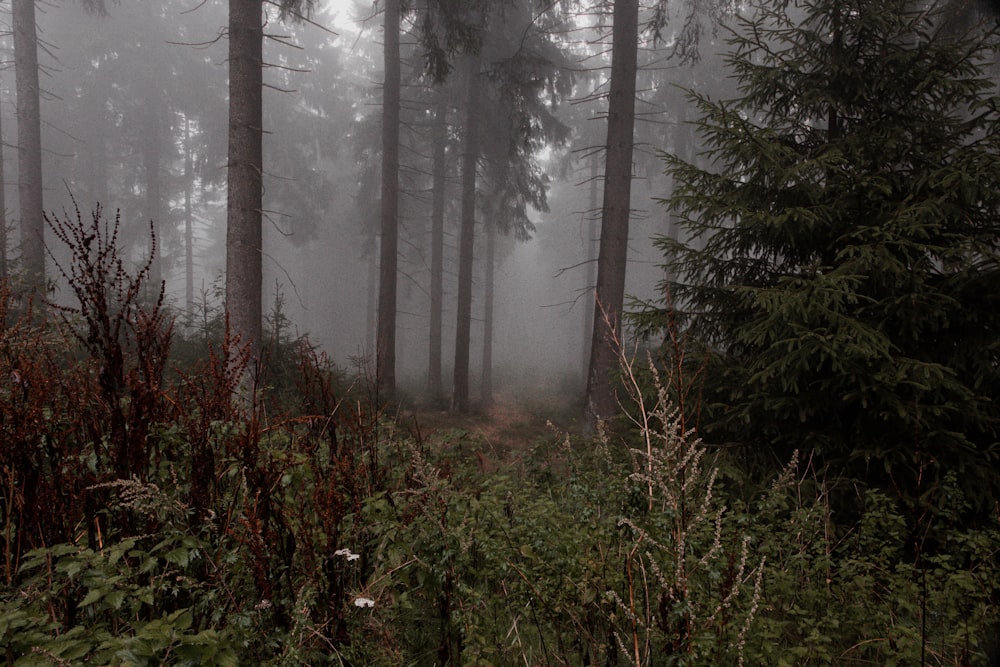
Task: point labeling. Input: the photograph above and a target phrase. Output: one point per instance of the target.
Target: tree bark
(440, 173)
(97, 140)
(371, 296)
(245, 187)
(389, 251)
(29, 145)
(470, 158)
(152, 150)
(489, 260)
(3, 217)
(602, 403)
(188, 220)
(591, 250)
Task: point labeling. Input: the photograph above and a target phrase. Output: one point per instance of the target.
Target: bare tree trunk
(371, 297)
(245, 194)
(610, 293)
(29, 144)
(97, 142)
(490, 270)
(470, 158)
(591, 249)
(440, 173)
(385, 345)
(3, 216)
(188, 220)
(152, 150)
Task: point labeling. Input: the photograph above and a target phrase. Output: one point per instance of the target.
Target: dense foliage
(842, 270)
(307, 528)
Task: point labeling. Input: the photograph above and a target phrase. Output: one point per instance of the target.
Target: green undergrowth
(607, 562)
(148, 516)
(629, 550)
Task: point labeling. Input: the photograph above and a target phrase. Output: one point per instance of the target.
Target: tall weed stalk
(121, 324)
(692, 586)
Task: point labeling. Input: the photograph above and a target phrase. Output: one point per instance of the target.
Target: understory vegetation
(147, 517)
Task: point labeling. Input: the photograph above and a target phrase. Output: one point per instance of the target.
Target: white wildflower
(364, 602)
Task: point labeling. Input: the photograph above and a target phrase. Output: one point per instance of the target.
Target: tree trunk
(591, 249)
(97, 141)
(470, 158)
(152, 150)
(385, 345)
(245, 193)
(371, 298)
(188, 220)
(602, 403)
(3, 216)
(29, 145)
(440, 174)
(490, 270)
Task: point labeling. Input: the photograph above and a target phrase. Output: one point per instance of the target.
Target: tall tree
(29, 140)
(438, 197)
(389, 241)
(444, 29)
(29, 144)
(527, 82)
(245, 172)
(489, 278)
(613, 251)
(188, 218)
(244, 204)
(591, 244)
(153, 121)
(466, 245)
(521, 83)
(4, 250)
(846, 273)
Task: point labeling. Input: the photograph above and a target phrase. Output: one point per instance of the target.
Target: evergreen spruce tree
(841, 272)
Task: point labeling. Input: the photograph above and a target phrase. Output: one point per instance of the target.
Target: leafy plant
(126, 337)
(134, 601)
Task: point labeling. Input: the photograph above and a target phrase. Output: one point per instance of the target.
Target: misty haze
(134, 107)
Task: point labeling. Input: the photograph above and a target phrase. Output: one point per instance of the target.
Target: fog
(146, 85)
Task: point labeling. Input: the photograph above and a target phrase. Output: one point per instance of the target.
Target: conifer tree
(841, 272)
(609, 293)
(244, 215)
(389, 222)
(29, 144)
(29, 139)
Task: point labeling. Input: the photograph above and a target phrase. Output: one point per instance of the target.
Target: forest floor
(503, 435)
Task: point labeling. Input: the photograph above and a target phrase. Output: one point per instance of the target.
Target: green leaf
(93, 596)
(114, 599)
(180, 556)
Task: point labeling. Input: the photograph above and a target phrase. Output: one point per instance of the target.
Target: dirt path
(502, 435)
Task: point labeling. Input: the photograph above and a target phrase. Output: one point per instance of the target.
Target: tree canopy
(842, 271)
